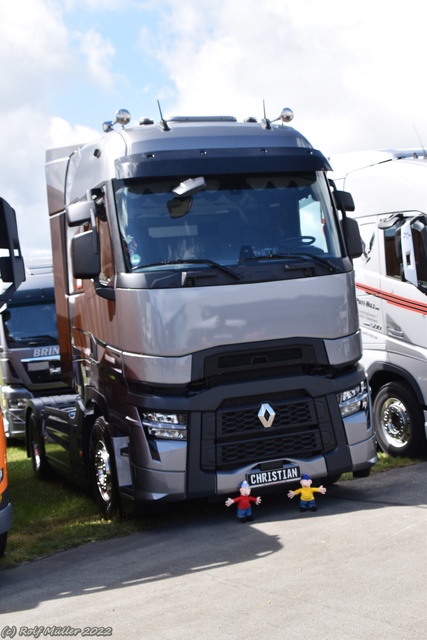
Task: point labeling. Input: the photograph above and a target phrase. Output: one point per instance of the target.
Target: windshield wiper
(211, 263)
(39, 339)
(307, 257)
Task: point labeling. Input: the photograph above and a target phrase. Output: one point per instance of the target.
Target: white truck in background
(29, 350)
(389, 189)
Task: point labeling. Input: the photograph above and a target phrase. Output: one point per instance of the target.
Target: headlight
(166, 426)
(15, 403)
(353, 400)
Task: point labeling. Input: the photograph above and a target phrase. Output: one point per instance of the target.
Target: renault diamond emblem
(266, 415)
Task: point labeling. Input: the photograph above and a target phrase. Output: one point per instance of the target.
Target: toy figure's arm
(320, 489)
(229, 502)
(258, 500)
(291, 494)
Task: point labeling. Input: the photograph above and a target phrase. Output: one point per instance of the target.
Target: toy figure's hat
(305, 477)
(244, 484)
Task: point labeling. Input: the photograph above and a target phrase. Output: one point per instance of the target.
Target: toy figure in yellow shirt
(307, 492)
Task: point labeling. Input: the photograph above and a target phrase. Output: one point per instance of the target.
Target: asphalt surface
(355, 569)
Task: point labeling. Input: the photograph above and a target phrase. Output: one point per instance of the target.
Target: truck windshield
(226, 219)
(32, 324)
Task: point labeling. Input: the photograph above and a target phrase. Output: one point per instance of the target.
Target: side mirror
(351, 233)
(85, 259)
(85, 211)
(79, 212)
(12, 269)
(344, 200)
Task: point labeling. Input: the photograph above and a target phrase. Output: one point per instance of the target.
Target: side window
(106, 275)
(393, 261)
(370, 258)
(419, 238)
(312, 222)
(393, 251)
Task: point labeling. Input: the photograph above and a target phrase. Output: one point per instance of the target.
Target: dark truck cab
(29, 350)
(12, 274)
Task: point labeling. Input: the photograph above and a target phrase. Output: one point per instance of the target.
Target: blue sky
(353, 72)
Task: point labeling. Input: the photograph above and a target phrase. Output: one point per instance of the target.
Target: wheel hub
(103, 471)
(395, 422)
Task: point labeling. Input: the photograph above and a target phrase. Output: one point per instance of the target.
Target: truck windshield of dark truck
(31, 325)
(227, 219)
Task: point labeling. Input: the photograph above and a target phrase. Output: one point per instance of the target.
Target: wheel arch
(382, 373)
(33, 406)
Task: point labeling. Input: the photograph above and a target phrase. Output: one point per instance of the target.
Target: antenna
(266, 121)
(421, 142)
(166, 127)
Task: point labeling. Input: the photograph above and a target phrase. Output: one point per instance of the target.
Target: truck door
(368, 285)
(405, 283)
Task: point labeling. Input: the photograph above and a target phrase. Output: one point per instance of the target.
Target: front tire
(3, 542)
(37, 451)
(102, 469)
(398, 420)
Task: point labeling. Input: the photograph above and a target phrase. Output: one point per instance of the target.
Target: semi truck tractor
(207, 316)
(29, 350)
(12, 274)
(390, 195)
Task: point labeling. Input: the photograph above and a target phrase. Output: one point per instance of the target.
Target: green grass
(53, 516)
(50, 516)
(385, 463)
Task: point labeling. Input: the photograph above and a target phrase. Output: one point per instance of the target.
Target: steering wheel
(306, 241)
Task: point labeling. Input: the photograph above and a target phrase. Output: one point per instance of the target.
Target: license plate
(38, 366)
(273, 476)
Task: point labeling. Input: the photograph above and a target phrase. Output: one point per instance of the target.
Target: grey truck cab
(206, 312)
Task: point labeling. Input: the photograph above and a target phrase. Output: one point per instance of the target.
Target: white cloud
(61, 133)
(33, 50)
(352, 73)
(39, 60)
(99, 54)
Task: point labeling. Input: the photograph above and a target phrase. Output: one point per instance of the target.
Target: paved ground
(356, 569)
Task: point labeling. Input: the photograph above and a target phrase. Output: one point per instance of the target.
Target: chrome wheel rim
(36, 456)
(395, 423)
(103, 471)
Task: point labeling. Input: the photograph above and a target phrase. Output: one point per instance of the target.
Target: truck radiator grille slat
(247, 421)
(234, 438)
(230, 455)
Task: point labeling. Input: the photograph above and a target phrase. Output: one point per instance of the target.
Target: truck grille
(43, 372)
(232, 438)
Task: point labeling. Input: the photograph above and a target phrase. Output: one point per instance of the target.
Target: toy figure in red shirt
(244, 510)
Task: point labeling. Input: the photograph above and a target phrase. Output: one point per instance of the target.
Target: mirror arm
(102, 291)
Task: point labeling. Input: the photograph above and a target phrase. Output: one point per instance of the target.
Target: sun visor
(220, 161)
